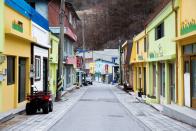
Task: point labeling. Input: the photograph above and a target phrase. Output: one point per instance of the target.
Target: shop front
(186, 48)
(15, 59)
(40, 53)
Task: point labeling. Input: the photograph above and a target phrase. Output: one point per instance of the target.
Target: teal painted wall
(1, 25)
(164, 48)
(53, 63)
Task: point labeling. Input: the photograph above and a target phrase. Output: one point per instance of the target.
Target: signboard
(188, 16)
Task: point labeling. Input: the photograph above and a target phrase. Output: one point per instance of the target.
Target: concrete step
(180, 113)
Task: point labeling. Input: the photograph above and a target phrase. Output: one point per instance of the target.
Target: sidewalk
(10, 114)
(184, 114)
(152, 118)
(42, 122)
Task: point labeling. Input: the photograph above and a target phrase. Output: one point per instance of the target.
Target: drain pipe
(176, 29)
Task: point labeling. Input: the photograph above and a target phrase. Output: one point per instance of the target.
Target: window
(154, 80)
(190, 49)
(37, 67)
(137, 47)
(74, 23)
(70, 18)
(186, 67)
(162, 79)
(159, 31)
(10, 70)
(145, 44)
(51, 42)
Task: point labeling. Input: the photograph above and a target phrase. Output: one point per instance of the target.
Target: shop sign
(17, 25)
(188, 26)
(140, 57)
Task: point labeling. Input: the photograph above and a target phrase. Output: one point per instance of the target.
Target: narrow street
(98, 110)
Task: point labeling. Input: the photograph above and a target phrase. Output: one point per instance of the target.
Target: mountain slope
(108, 21)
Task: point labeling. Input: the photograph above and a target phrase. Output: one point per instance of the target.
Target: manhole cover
(140, 114)
(88, 100)
(117, 116)
(108, 100)
(101, 100)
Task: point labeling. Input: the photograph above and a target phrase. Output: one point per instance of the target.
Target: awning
(67, 31)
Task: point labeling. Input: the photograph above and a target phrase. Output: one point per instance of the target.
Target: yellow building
(186, 53)
(17, 53)
(92, 68)
(138, 60)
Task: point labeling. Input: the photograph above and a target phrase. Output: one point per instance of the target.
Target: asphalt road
(98, 110)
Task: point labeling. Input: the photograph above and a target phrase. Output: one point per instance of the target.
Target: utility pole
(60, 51)
(83, 38)
(120, 62)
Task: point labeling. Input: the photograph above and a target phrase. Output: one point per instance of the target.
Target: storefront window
(10, 70)
(162, 71)
(193, 75)
(194, 48)
(37, 67)
(188, 49)
(186, 67)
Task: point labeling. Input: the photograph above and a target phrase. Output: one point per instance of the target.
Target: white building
(40, 53)
(111, 55)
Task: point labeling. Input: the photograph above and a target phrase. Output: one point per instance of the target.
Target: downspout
(176, 28)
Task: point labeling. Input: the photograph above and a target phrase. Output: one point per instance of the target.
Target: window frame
(162, 31)
(37, 77)
(13, 72)
(145, 44)
(137, 47)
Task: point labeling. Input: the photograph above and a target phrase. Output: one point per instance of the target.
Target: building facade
(69, 73)
(50, 10)
(16, 49)
(104, 71)
(53, 63)
(161, 31)
(186, 53)
(127, 68)
(139, 63)
(40, 53)
(1, 47)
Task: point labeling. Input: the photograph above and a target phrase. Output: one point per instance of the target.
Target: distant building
(104, 71)
(110, 55)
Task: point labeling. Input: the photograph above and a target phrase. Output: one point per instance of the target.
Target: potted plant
(140, 93)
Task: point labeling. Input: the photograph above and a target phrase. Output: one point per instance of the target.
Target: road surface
(98, 110)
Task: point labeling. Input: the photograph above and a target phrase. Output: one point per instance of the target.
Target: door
(172, 80)
(144, 81)
(162, 79)
(154, 80)
(193, 82)
(22, 80)
(45, 74)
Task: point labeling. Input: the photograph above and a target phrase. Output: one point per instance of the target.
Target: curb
(127, 109)
(11, 115)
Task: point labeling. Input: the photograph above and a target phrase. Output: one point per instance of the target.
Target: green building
(53, 63)
(161, 32)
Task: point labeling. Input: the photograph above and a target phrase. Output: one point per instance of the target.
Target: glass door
(193, 82)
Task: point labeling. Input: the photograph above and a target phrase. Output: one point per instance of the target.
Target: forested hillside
(108, 22)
